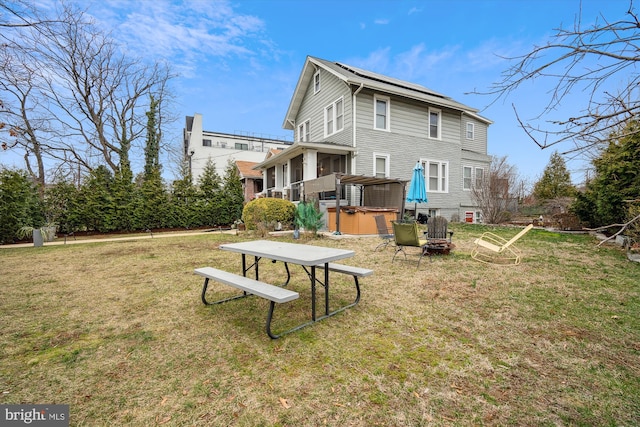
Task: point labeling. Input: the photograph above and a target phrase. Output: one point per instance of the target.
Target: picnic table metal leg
(326, 289)
(204, 297)
(270, 318)
(313, 293)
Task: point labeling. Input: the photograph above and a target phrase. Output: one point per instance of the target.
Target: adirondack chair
(490, 248)
(383, 232)
(437, 228)
(408, 235)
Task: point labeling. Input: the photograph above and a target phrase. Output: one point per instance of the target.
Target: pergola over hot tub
(378, 196)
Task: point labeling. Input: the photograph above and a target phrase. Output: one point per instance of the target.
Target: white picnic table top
(294, 253)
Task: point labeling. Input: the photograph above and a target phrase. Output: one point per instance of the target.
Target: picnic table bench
(274, 294)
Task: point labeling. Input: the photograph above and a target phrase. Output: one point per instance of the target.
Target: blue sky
(239, 61)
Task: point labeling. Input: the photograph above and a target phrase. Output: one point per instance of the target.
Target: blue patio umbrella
(417, 188)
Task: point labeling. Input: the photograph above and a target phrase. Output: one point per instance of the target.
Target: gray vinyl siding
(479, 141)
(313, 105)
(407, 142)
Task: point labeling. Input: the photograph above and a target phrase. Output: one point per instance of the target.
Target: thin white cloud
(186, 33)
(381, 21)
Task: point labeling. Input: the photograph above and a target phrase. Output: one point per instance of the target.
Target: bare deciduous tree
(92, 96)
(590, 60)
(495, 192)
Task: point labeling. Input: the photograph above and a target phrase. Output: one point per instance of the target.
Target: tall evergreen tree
(152, 147)
(555, 181)
(616, 182)
(153, 209)
(61, 201)
(183, 201)
(233, 194)
(97, 201)
(210, 198)
(20, 204)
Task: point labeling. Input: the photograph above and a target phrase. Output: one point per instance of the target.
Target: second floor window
(316, 82)
(470, 130)
(434, 123)
(303, 132)
(381, 113)
(437, 176)
(334, 118)
(206, 143)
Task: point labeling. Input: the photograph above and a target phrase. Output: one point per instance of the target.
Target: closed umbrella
(417, 188)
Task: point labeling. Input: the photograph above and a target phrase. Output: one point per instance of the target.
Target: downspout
(353, 119)
(353, 130)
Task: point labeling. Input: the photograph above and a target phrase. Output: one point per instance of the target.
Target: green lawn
(117, 331)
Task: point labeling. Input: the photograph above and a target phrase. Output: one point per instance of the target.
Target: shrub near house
(268, 212)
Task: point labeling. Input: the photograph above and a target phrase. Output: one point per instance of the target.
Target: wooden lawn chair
(408, 235)
(490, 248)
(437, 228)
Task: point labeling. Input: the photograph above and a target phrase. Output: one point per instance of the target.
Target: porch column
(310, 165)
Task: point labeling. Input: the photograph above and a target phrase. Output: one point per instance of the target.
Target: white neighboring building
(201, 145)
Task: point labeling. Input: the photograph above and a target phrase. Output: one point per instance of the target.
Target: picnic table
(311, 258)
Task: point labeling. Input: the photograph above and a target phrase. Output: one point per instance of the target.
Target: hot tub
(360, 219)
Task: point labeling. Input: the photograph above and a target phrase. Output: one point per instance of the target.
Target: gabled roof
(246, 170)
(358, 77)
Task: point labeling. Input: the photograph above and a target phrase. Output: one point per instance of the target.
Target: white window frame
(334, 117)
(303, 131)
(470, 130)
(316, 82)
(467, 181)
(438, 124)
(387, 112)
(442, 176)
(478, 177)
(387, 161)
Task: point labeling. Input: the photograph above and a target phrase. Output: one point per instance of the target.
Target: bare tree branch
(623, 227)
(581, 59)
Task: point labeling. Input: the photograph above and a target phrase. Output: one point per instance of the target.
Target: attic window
(316, 82)
(303, 131)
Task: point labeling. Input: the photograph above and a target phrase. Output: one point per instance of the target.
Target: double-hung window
(380, 165)
(303, 132)
(435, 125)
(381, 108)
(466, 177)
(437, 176)
(479, 177)
(334, 117)
(470, 130)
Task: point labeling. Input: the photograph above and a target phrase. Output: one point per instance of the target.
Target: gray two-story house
(352, 121)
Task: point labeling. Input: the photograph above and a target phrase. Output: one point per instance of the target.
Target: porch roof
(298, 148)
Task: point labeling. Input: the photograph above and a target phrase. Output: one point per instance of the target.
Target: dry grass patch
(117, 330)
